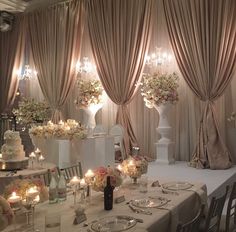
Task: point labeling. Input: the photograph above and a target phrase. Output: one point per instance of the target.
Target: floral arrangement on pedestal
(65, 130)
(31, 111)
(20, 187)
(159, 88)
(134, 166)
(6, 214)
(90, 92)
(100, 178)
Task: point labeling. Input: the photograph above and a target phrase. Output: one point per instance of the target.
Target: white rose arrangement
(159, 88)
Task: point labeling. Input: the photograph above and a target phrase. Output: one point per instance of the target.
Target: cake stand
(11, 165)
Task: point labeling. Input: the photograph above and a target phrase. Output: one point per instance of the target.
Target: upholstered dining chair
(74, 170)
(193, 225)
(228, 221)
(213, 217)
(118, 132)
(99, 129)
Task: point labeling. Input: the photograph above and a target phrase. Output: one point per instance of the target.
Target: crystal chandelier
(27, 74)
(158, 58)
(85, 66)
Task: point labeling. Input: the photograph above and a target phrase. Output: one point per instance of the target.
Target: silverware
(136, 210)
(165, 191)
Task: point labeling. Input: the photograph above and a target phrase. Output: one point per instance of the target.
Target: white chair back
(118, 132)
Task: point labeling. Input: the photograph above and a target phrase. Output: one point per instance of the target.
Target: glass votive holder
(53, 222)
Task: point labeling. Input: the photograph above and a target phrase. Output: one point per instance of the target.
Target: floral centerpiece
(159, 88)
(100, 178)
(6, 214)
(66, 130)
(90, 92)
(134, 167)
(30, 111)
(21, 186)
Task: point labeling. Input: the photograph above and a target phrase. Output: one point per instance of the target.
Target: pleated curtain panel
(55, 35)
(120, 34)
(11, 47)
(203, 37)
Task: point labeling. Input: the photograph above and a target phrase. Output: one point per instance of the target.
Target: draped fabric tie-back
(55, 37)
(203, 37)
(123, 118)
(56, 115)
(120, 35)
(210, 151)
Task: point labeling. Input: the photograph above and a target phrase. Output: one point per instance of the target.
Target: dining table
(177, 205)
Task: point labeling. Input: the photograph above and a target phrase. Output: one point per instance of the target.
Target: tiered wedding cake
(13, 155)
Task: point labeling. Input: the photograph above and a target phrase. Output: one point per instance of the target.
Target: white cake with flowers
(13, 148)
(12, 152)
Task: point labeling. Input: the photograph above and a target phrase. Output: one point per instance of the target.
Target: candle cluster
(36, 159)
(66, 130)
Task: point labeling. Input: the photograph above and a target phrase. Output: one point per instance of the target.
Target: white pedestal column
(90, 116)
(165, 145)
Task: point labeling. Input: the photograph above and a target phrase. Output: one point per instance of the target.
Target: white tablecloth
(91, 152)
(182, 207)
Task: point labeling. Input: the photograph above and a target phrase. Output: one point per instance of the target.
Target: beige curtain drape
(120, 34)
(11, 50)
(55, 35)
(203, 37)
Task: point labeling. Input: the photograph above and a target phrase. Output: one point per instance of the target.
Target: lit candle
(41, 158)
(89, 173)
(14, 198)
(0, 155)
(61, 123)
(119, 167)
(82, 183)
(37, 151)
(89, 176)
(75, 180)
(37, 199)
(50, 123)
(32, 192)
(32, 155)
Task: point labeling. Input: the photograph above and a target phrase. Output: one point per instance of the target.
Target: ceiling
(15, 6)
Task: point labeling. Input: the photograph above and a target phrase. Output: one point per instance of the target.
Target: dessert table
(92, 152)
(6, 177)
(182, 206)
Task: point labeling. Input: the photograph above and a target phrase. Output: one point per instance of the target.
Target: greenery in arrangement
(31, 111)
(90, 92)
(159, 88)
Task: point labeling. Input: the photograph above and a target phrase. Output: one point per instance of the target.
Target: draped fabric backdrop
(203, 37)
(120, 34)
(11, 47)
(55, 36)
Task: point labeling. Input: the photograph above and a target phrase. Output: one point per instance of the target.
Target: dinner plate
(149, 202)
(177, 185)
(114, 224)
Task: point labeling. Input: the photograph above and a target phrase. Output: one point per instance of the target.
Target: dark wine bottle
(108, 195)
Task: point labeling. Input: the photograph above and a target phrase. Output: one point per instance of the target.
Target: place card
(119, 199)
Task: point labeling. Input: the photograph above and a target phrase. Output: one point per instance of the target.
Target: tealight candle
(14, 198)
(89, 174)
(37, 151)
(0, 155)
(75, 180)
(32, 155)
(41, 158)
(50, 123)
(32, 192)
(82, 183)
(119, 167)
